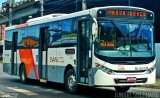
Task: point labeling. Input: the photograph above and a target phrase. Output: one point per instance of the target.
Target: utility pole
(42, 8)
(84, 4)
(129, 2)
(10, 11)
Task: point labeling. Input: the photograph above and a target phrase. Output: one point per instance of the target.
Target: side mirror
(94, 27)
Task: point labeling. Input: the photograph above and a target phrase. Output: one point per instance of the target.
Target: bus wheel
(122, 88)
(70, 81)
(23, 76)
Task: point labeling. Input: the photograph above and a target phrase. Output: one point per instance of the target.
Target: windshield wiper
(122, 50)
(124, 34)
(140, 32)
(140, 29)
(117, 26)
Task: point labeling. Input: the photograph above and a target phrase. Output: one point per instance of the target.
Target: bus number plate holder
(131, 79)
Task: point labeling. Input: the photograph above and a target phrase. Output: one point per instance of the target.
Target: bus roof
(56, 17)
(45, 17)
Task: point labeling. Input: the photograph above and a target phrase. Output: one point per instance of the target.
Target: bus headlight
(104, 69)
(150, 70)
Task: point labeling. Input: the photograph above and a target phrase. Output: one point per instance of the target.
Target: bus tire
(23, 75)
(70, 81)
(122, 88)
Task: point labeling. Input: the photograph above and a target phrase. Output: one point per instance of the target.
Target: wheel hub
(72, 82)
(23, 76)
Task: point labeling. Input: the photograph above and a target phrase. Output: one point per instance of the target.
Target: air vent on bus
(129, 62)
(129, 71)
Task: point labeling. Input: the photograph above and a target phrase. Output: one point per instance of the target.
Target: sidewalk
(154, 86)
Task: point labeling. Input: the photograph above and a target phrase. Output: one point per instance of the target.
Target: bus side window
(69, 33)
(54, 35)
(28, 38)
(33, 37)
(21, 35)
(8, 40)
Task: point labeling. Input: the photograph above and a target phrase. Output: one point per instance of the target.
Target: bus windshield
(117, 39)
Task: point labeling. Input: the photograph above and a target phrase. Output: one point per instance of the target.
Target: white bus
(104, 46)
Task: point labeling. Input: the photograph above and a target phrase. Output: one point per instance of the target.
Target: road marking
(53, 91)
(4, 95)
(48, 90)
(26, 92)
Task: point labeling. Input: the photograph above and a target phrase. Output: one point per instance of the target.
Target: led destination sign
(126, 13)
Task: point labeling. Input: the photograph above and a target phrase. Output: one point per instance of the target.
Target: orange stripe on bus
(26, 56)
(3, 31)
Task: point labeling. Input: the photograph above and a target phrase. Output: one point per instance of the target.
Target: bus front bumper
(103, 79)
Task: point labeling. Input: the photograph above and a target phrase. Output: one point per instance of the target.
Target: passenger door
(83, 51)
(14, 54)
(43, 49)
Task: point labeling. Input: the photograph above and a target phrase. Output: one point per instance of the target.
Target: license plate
(131, 79)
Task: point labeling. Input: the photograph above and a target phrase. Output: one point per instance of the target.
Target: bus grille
(130, 62)
(130, 71)
(139, 80)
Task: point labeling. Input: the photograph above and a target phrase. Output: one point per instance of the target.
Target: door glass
(83, 50)
(14, 55)
(43, 52)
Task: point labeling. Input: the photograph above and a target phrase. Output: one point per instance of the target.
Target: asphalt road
(11, 87)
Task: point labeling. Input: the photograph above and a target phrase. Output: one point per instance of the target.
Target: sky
(1, 1)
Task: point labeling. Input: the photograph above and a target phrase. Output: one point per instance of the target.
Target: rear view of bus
(124, 53)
